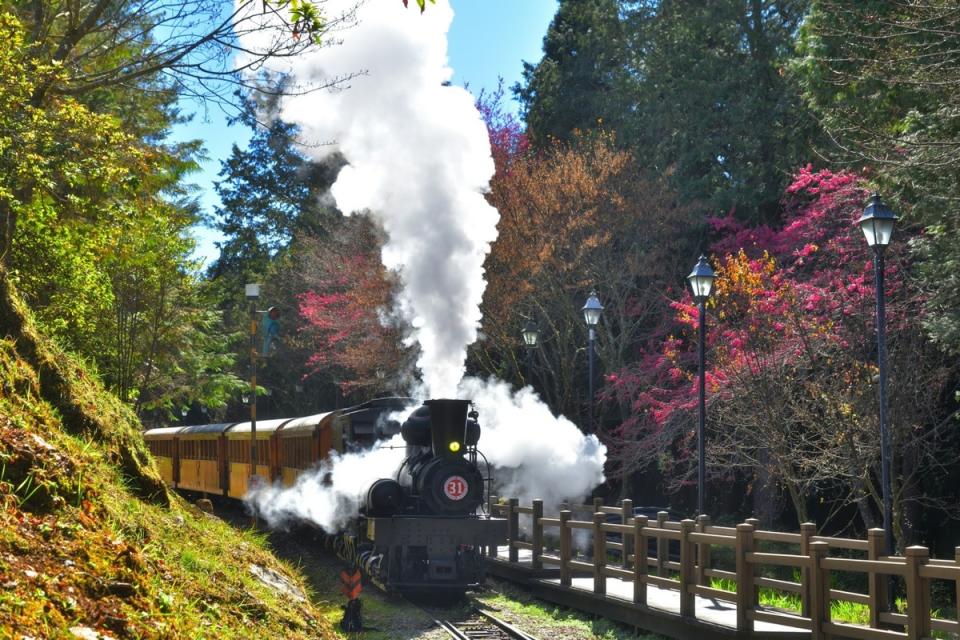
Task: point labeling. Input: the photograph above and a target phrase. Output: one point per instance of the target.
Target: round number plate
(455, 487)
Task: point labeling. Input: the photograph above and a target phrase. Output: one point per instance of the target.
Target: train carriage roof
(263, 426)
(220, 427)
(162, 432)
(297, 426)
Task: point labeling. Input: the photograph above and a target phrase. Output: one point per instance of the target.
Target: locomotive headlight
(454, 446)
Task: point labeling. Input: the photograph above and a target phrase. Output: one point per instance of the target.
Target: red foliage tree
(791, 364)
(346, 313)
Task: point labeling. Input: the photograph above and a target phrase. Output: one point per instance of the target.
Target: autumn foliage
(791, 355)
(575, 216)
(346, 311)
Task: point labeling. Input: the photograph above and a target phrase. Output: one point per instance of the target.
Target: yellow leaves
(744, 276)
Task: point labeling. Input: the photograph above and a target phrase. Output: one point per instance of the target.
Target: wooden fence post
(703, 552)
(956, 559)
(663, 545)
(491, 548)
(597, 504)
(807, 531)
(918, 593)
(876, 582)
(626, 509)
(536, 562)
(687, 570)
(513, 528)
(565, 548)
(599, 554)
(819, 588)
(745, 571)
(640, 560)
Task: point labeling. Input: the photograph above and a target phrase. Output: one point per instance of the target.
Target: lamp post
(701, 284)
(530, 336)
(591, 315)
(877, 224)
(253, 294)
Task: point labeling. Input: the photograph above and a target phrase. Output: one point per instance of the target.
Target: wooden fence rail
(679, 556)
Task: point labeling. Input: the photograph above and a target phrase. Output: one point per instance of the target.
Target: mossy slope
(91, 542)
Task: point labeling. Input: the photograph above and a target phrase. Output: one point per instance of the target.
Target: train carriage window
(198, 449)
(296, 452)
(208, 449)
(161, 448)
(239, 451)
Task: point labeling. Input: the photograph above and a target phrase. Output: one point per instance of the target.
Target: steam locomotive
(421, 530)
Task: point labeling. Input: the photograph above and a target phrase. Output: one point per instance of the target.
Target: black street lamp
(530, 336)
(701, 284)
(591, 314)
(877, 223)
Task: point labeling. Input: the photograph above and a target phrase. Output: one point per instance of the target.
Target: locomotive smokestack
(448, 426)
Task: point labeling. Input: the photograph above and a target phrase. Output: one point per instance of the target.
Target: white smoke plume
(419, 162)
(535, 454)
(331, 495)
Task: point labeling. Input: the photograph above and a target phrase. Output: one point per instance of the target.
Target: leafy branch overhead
(422, 4)
(305, 18)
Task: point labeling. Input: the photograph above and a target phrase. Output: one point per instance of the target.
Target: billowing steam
(419, 162)
(537, 455)
(332, 495)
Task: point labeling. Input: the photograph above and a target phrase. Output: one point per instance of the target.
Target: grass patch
(840, 610)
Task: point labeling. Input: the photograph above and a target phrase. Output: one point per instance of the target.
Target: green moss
(90, 537)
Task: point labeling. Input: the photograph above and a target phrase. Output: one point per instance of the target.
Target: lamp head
(592, 310)
(701, 280)
(530, 334)
(877, 222)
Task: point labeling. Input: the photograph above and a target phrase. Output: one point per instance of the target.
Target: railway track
(482, 625)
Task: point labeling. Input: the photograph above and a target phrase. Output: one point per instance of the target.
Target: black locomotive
(423, 529)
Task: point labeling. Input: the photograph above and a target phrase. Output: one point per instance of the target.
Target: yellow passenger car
(238, 454)
(303, 442)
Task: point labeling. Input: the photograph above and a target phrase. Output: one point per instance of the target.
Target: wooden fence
(680, 559)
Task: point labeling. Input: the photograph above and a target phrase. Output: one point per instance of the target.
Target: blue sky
(488, 39)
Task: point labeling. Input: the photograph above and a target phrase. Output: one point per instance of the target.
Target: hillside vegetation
(91, 543)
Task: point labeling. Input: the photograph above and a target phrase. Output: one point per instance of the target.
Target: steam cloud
(419, 163)
(331, 505)
(537, 455)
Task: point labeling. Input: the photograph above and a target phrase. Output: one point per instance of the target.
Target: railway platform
(661, 614)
